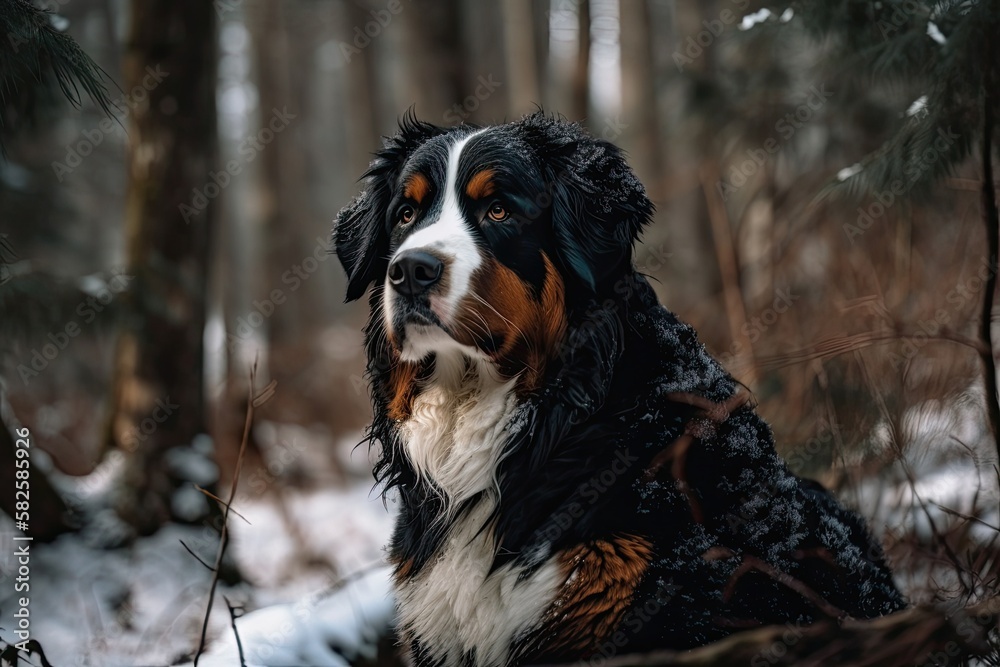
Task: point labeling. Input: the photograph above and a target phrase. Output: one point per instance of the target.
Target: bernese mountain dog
(576, 476)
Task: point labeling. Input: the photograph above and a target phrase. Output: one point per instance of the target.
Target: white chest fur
(456, 430)
(454, 605)
(455, 436)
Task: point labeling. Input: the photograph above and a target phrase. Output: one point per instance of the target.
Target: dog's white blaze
(454, 607)
(450, 239)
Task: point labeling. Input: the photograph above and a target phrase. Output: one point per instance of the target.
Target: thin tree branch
(232, 620)
(196, 556)
(253, 401)
(910, 637)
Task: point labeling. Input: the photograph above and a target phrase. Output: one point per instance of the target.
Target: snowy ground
(945, 484)
(97, 602)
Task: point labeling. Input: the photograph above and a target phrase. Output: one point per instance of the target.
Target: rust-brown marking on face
(553, 307)
(605, 574)
(481, 185)
(416, 187)
(521, 331)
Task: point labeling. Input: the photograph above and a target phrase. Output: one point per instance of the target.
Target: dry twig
(915, 636)
(252, 402)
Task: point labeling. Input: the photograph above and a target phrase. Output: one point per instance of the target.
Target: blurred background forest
(152, 253)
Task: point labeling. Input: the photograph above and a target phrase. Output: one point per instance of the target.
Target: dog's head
(484, 240)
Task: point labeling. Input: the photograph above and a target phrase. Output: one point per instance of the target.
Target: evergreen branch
(35, 55)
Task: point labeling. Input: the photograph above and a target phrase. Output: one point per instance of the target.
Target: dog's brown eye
(406, 214)
(497, 213)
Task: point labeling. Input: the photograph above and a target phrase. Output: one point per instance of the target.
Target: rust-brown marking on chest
(602, 577)
(402, 569)
(402, 389)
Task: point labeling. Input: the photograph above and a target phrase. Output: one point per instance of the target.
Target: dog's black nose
(415, 272)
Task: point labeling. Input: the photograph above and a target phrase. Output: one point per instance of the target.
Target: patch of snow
(92, 605)
(189, 504)
(326, 631)
(93, 284)
(847, 172)
(752, 19)
(919, 106)
(346, 527)
(59, 22)
(950, 456)
(106, 530)
(203, 444)
(191, 465)
(935, 33)
(102, 597)
(90, 492)
(14, 176)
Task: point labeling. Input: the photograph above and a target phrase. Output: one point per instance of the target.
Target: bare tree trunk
(689, 148)
(436, 60)
(540, 25)
(580, 97)
(642, 135)
(158, 402)
(519, 47)
(485, 58)
(361, 90)
(729, 271)
(289, 228)
(991, 306)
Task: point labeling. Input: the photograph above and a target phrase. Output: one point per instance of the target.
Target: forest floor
(98, 599)
(315, 591)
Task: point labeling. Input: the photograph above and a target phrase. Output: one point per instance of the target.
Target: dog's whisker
(501, 316)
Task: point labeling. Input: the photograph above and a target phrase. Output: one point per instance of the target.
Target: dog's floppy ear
(599, 207)
(361, 230)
